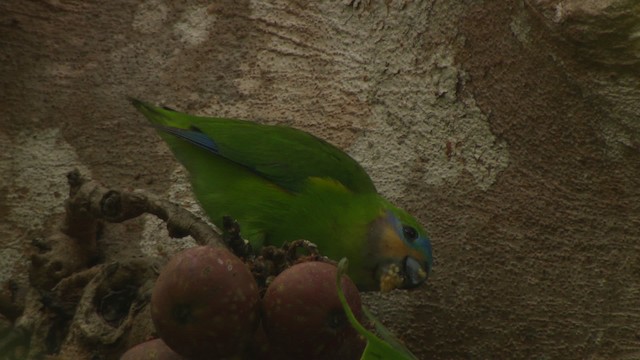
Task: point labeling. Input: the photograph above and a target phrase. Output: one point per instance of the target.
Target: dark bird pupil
(410, 233)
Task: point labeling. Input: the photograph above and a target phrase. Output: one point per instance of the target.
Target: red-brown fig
(261, 349)
(205, 303)
(154, 349)
(303, 317)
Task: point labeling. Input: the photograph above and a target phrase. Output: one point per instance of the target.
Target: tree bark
(510, 129)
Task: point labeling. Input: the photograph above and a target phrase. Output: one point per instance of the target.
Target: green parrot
(283, 184)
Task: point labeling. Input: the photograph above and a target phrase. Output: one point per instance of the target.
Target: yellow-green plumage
(283, 184)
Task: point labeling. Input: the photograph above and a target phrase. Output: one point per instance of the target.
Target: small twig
(274, 260)
(293, 248)
(117, 206)
(232, 238)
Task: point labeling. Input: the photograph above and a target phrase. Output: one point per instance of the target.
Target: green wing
(282, 155)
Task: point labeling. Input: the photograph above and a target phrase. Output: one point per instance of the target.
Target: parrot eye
(410, 233)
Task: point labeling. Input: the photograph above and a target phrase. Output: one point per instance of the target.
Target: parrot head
(400, 249)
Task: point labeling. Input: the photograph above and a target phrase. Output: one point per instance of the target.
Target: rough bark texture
(509, 128)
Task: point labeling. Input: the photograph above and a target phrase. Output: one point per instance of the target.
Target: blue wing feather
(193, 135)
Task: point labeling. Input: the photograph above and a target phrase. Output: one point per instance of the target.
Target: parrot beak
(407, 273)
(413, 272)
(395, 263)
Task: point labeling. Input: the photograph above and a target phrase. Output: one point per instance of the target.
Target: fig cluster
(206, 304)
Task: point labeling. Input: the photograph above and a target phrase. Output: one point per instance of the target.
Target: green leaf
(390, 348)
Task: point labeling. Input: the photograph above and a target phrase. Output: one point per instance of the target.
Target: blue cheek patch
(422, 244)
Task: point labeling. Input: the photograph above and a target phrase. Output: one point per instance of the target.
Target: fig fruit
(303, 317)
(205, 303)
